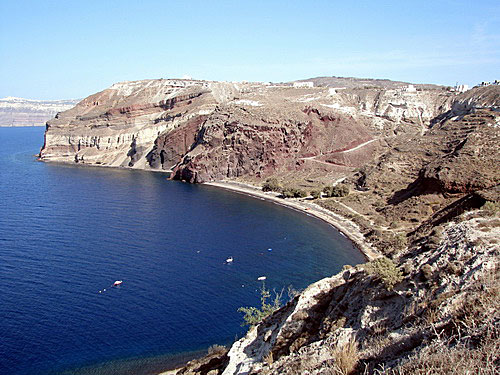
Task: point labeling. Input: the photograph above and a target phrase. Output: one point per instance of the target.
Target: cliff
(27, 112)
(207, 131)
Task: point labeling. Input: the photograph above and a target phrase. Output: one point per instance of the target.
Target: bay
(68, 232)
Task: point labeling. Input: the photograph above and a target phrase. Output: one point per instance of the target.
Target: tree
(271, 184)
(253, 315)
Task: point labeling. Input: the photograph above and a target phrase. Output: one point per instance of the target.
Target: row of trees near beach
(272, 184)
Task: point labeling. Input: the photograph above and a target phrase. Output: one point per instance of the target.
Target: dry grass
(441, 358)
(346, 358)
(269, 359)
(471, 346)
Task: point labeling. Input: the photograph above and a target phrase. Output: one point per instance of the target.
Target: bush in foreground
(253, 315)
(385, 270)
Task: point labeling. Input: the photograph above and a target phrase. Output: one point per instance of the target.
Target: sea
(68, 232)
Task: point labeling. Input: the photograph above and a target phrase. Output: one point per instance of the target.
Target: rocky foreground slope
(419, 172)
(27, 112)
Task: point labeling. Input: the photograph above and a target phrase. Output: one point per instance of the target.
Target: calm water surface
(68, 232)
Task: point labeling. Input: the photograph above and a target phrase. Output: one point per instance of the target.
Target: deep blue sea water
(68, 232)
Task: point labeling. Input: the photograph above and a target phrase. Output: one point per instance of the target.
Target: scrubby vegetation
(491, 208)
(346, 358)
(254, 315)
(293, 193)
(316, 194)
(385, 270)
(272, 184)
(340, 190)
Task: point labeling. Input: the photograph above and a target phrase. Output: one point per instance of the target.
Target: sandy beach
(345, 226)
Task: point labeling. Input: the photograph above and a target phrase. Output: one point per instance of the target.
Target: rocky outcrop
(27, 112)
(119, 126)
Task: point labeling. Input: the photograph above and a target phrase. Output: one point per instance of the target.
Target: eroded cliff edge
(207, 131)
(421, 167)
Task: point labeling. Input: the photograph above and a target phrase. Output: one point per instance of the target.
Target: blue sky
(71, 49)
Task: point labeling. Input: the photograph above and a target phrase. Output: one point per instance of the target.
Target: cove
(68, 232)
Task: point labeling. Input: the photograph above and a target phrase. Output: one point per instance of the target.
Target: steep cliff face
(235, 142)
(313, 132)
(119, 126)
(207, 131)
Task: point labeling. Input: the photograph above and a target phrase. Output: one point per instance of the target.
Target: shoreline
(345, 226)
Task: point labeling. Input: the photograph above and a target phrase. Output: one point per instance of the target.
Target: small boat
(229, 260)
(117, 282)
(262, 278)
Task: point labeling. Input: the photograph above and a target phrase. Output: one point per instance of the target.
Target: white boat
(262, 278)
(117, 282)
(229, 260)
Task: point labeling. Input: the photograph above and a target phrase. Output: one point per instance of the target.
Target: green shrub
(340, 190)
(271, 184)
(287, 193)
(299, 193)
(400, 241)
(253, 315)
(293, 193)
(385, 270)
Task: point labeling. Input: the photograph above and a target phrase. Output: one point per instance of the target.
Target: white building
(410, 88)
(303, 84)
(461, 88)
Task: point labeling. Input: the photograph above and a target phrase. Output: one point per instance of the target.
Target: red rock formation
(208, 131)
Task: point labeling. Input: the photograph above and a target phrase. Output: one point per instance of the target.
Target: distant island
(28, 112)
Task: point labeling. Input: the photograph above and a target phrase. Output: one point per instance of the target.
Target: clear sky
(70, 49)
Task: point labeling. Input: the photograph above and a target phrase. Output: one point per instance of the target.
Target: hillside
(360, 83)
(27, 112)
(419, 180)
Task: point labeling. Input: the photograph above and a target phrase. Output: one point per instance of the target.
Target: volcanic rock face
(118, 126)
(207, 131)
